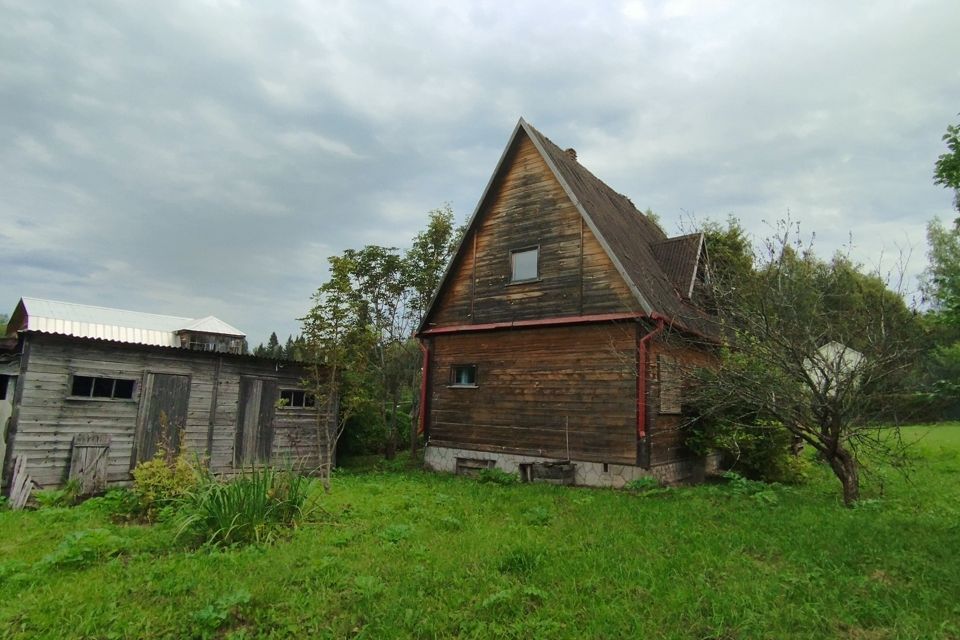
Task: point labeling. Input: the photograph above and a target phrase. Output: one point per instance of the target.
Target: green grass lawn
(411, 554)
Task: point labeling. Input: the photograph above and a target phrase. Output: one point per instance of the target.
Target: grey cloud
(191, 158)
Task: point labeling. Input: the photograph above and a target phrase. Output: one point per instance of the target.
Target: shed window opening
(525, 264)
(106, 388)
(464, 375)
(4, 382)
(297, 399)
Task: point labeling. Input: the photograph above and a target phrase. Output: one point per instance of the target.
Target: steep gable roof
(627, 236)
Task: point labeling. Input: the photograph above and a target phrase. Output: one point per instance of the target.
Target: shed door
(163, 415)
(254, 442)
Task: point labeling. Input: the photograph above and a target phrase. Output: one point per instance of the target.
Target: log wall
(536, 390)
(665, 431)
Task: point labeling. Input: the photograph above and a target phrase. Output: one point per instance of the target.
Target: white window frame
(513, 265)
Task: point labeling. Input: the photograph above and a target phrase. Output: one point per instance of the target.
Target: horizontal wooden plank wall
(528, 207)
(49, 419)
(665, 429)
(535, 388)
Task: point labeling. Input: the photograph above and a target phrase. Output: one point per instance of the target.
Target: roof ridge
(685, 236)
(97, 306)
(584, 168)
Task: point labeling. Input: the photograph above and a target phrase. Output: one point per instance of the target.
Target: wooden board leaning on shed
(88, 462)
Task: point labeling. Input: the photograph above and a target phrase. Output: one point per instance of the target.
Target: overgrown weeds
(65, 497)
(497, 476)
(253, 508)
(82, 548)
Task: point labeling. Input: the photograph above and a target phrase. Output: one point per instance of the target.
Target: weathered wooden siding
(535, 388)
(665, 433)
(48, 418)
(529, 207)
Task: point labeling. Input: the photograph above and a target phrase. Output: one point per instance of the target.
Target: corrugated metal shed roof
(86, 321)
(211, 324)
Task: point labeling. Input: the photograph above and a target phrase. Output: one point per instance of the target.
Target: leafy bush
(162, 481)
(82, 548)
(121, 504)
(757, 449)
(758, 491)
(65, 497)
(253, 508)
(497, 476)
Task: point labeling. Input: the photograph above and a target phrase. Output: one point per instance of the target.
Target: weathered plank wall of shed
(48, 418)
(529, 207)
(535, 388)
(665, 433)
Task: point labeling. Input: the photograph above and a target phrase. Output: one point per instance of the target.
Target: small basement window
(96, 387)
(463, 375)
(296, 399)
(525, 264)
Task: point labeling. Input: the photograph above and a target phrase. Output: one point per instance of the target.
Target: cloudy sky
(198, 158)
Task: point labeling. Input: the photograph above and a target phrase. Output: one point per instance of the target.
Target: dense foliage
(946, 171)
(815, 350)
(359, 333)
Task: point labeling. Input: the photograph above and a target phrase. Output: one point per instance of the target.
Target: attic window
(104, 388)
(525, 264)
(296, 399)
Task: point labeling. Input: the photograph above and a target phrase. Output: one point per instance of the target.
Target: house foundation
(590, 474)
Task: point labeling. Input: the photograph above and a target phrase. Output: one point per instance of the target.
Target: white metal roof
(212, 324)
(85, 321)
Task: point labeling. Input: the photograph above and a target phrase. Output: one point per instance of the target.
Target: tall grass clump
(253, 508)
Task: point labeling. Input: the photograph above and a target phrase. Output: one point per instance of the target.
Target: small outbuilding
(92, 390)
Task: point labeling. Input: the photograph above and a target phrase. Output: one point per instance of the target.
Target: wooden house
(81, 384)
(554, 336)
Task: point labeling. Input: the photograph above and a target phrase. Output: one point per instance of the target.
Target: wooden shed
(553, 337)
(86, 386)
